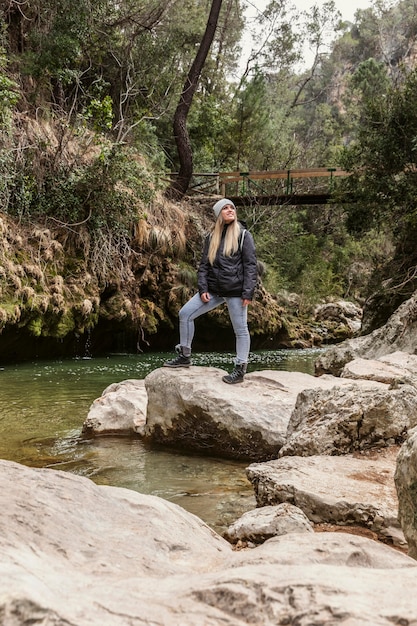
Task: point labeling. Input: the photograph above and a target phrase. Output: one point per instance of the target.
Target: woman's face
(228, 214)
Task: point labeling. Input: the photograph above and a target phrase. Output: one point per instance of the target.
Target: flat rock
(374, 369)
(344, 490)
(403, 360)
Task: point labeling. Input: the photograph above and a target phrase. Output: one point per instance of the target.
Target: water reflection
(44, 404)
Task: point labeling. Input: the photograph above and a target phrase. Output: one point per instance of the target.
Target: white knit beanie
(220, 204)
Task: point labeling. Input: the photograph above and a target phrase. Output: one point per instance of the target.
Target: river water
(43, 405)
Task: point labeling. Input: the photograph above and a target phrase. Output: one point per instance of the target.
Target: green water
(43, 406)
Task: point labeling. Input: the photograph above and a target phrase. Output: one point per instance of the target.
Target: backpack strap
(242, 237)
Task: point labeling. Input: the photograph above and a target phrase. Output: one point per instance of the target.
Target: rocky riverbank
(338, 452)
(328, 443)
(77, 553)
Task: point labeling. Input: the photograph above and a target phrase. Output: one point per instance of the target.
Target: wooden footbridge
(275, 187)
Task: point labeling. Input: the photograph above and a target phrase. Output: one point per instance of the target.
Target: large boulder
(344, 419)
(74, 553)
(194, 409)
(398, 334)
(271, 414)
(121, 408)
(341, 314)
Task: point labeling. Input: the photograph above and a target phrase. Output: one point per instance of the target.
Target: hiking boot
(236, 376)
(180, 361)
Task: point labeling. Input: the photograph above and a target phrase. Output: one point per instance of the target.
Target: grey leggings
(238, 317)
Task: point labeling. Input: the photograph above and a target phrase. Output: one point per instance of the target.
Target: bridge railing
(245, 182)
(255, 182)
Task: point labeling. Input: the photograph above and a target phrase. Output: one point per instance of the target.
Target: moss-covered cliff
(91, 249)
(50, 295)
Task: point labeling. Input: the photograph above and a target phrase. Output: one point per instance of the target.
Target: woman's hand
(245, 302)
(205, 297)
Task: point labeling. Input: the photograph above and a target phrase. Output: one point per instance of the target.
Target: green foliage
(383, 158)
(254, 119)
(100, 112)
(106, 193)
(309, 251)
(209, 129)
(9, 93)
(187, 276)
(103, 198)
(370, 79)
(116, 70)
(272, 280)
(35, 326)
(383, 162)
(317, 282)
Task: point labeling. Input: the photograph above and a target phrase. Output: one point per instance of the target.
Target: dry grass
(162, 229)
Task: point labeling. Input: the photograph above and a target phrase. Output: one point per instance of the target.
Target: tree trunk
(181, 183)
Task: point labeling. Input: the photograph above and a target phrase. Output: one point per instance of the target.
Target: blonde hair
(231, 240)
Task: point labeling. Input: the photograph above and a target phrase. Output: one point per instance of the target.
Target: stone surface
(326, 548)
(375, 369)
(406, 484)
(403, 360)
(276, 413)
(398, 334)
(78, 554)
(121, 408)
(341, 420)
(272, 413)
(344, 490)
(194, 409)
(268, 521)
(340, 312)
(393, 369)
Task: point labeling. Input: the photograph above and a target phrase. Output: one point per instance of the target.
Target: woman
(227, 273)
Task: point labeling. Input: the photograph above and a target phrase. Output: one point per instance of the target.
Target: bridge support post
(289, 183)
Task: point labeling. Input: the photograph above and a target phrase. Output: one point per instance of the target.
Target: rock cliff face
(397, 335)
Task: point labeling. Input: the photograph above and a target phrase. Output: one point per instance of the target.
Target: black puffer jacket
(233, 276)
